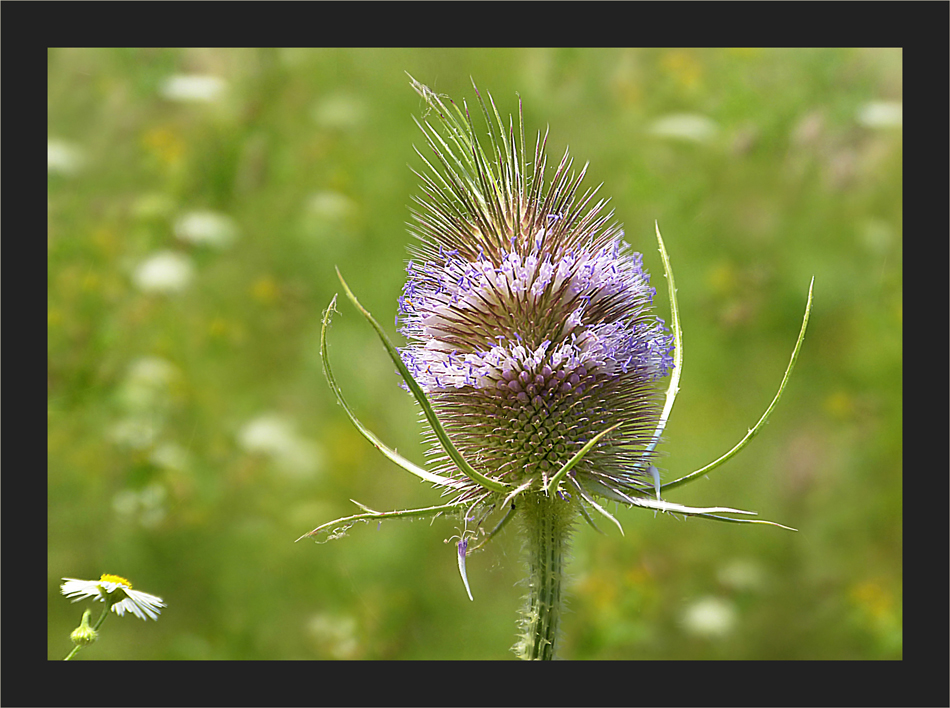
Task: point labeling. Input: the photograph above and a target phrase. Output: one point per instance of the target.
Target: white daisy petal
(118, 593)
(140, 604)
(79, 589)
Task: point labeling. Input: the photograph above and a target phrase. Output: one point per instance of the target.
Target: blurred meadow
(198, 201)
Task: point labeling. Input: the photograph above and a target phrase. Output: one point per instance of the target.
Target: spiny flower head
(528, 316)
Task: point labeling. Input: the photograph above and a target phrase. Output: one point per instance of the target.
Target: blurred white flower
(206, 228)
(197, 88)
(125, 502)
(63, 157)
(881, 114)
(146, 506)
(268, 434)
(117, 592)
(145, 395)
(164, 272)
(147, 383)
(274, 436)
(341, 111)
(710, 617)
(684, 126)
(741, 574)
(135, 432)
(330, 205)
(152, 371)
(170, 456)
(335, 635)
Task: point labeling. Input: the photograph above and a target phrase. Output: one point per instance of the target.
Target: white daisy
(118, 592)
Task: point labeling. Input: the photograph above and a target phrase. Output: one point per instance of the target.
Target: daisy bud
(84, 634)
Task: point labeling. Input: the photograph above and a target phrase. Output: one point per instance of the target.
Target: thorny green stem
(546, 522)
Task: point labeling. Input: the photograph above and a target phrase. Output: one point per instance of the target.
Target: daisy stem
(546, 523)
(102, 617)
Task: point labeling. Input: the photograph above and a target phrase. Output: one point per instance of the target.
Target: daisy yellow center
(118, 580)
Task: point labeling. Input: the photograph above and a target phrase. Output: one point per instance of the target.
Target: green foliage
(192, 436)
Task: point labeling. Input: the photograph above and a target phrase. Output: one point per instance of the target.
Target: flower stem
(546, 521)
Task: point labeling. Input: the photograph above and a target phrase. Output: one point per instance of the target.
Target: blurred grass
(192, 438)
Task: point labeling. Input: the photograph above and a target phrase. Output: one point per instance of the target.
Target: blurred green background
(198, 203)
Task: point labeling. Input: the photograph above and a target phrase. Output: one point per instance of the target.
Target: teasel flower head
(529, 318)
(533, 352)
